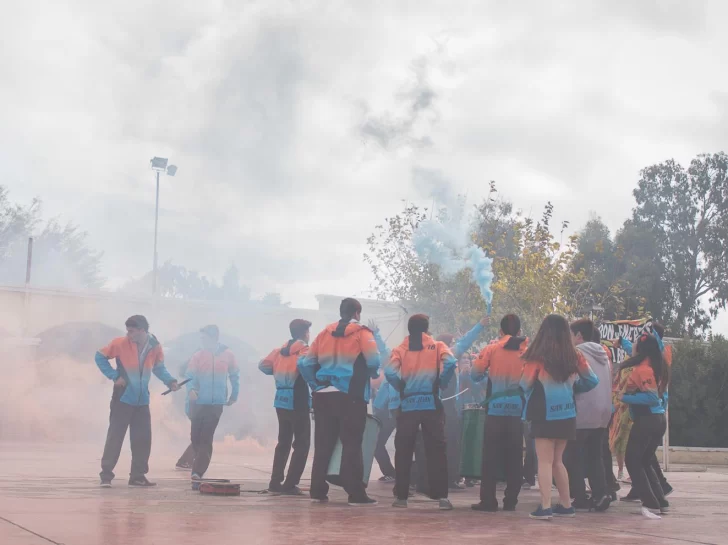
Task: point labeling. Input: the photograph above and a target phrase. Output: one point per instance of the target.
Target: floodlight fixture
(159, 164)
(171, 170)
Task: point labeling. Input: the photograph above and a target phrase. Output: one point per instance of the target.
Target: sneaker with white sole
(542, 514)
(401, 504)
(445, 505)
(365, 502)
(386, 479)
(648, 514)
(105, 483)
(561, 511)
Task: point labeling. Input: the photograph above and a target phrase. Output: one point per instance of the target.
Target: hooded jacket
(387, 397)
(502, 363)
(345, 356)
(418, 375)
(291, 389)
(641, 393)
(549, 399)
(209, 371)
(594, 408)
(135, 373)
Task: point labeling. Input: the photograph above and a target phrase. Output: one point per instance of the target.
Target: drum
(368, 445)
(471, 449)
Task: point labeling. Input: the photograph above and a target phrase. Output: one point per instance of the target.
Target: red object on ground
(220, 489)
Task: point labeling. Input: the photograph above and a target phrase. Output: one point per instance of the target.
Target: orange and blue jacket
(135, 373)
(345, 356)
(210, 372)
(641, 393)
(502, 364)
(549, 399)
(419, 375)
(291, 389)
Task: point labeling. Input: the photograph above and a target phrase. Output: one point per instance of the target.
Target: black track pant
(433, 436)
(644, 438)
(294, 430)
(204, 423)
(610, 479)
(583, 458)
(139, 423)
(339, 415)
(502, 447)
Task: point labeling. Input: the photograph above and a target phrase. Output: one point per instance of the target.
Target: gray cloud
(297, 129)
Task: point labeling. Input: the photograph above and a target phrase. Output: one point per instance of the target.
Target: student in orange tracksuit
(646, 395)
(419, 368)
(292, 404)
(339, 366)
(503, 436)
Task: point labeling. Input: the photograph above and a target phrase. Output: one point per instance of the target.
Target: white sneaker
(649, 514)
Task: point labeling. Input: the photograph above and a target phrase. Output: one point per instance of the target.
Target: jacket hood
(293, 349)
(594, 353)
(344, 329)
(426, 339)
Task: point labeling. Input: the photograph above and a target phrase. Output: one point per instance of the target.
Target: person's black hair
(211, 331)
(510, 325)
(137, 321)
(298, 328)
(584, 326)
(348, 308)
(417, 326)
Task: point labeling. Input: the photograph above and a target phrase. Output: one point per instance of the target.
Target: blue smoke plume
(448, 246)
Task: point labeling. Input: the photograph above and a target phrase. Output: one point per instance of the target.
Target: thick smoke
(445, 240)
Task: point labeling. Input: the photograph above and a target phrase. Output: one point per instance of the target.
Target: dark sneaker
(484, 507)
(665, 509)
(456, 487)
(602, 504)
(183, 466)
(583, 504)
(445, 505)
(386, 479)
(402, 504)
(561, 511)
(325, 499)
(509, 506)
(542, 514)
(667, 490)
(364, 502)
(295, 491)
(526, 485)
(614, 496)
(141, 482)
(105, 483)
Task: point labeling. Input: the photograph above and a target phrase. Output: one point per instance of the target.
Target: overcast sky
(297, 126)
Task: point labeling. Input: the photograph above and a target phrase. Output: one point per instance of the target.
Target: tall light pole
(158, 164)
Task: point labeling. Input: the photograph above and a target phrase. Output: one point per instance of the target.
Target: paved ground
(49, 494)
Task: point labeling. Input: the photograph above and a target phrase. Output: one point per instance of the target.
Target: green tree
(62, 257)
(178, 282)
(686, 210)
(699, 394)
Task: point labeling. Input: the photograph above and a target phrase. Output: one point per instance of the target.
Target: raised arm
(448, 365)
(371, 352)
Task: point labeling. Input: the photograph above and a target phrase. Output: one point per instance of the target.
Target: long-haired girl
(553, 371)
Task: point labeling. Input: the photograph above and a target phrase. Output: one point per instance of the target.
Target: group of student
(560, 383)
